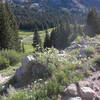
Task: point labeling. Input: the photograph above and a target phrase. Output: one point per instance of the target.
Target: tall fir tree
(93, 22)
(36, 40)
(47, 41)
(8, 28)
(52, 38)
(60, 36)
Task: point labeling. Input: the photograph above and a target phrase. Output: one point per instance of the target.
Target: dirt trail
(4, 79)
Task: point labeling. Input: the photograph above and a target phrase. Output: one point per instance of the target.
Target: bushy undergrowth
(90, 50)
(39, 90)
(97, 60)
(62, 69)
(12, 56)
(62, 66)
(63, 72)
(4, 63)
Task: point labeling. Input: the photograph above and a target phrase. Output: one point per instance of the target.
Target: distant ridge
(73, 4)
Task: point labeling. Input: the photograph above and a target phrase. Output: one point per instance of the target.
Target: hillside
(49, 50)
(78, 63)
(77, 5)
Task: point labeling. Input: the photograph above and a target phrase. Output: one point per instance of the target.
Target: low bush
(97, 60)
(62, 67)
(61, 73)
(38, 91)
(4, 63)
(90, 50)
(11, 55)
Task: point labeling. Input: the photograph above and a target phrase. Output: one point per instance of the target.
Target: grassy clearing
(29, 48)
(10, 70)
(24, 33)
(27, 39)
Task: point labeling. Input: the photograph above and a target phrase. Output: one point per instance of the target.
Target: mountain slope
(79, 4)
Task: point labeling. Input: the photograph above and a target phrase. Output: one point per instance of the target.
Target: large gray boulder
(29, 72)
(87, 92)
(27, 60)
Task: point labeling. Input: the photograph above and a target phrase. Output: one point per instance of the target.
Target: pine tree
(47, 41)
(14, 27)
(3, 27)
(60, 36)
(93, 22)
(36, 40)
(52, 38)
(8, 28)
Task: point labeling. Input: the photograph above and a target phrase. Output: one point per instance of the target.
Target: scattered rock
(72, 90)
(74, 98)
(96, 88)
(4, 79)
(92, 69)
(87, 92)
(29, 72)
(94, 79)
(84, 83)
(97, 98)
(98, 78)
(27, 60)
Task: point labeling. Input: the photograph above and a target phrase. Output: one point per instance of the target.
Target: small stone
(96, 88)
(93, 69)
(93, 79)
(84, 83)
(98, 78)
(75, 98)
(97, 98)
(72, 90)
(27, 60)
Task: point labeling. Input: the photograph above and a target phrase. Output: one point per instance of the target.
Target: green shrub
(13, 56)
(61, 77)
(4, 63)
(62, 72)
(38, 92)
(79, 39)
(68, 75)
(53, 88)
(90, 50)
(97, 60)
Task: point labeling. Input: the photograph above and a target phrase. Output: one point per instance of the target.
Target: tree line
(9, 38)
(27, 17)
(63, 33)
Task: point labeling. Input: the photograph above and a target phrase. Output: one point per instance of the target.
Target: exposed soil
(4, 79)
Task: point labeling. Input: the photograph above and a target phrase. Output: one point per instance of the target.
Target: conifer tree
(36, 40)
(47, 41)
(52, 38)
(93, 22)
(8, 28)
(60, 36)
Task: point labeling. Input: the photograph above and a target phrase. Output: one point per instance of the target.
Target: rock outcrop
(29, 72)
(86, 89)
(87, 93)
(71, 90)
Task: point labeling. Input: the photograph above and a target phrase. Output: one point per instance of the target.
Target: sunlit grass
(28, 48)
(25, 33)
(10, 70)
(27, 39)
